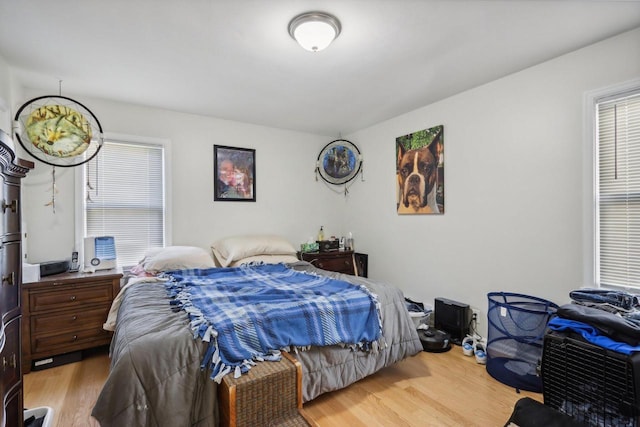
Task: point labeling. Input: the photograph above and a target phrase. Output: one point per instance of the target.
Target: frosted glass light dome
(314, 31)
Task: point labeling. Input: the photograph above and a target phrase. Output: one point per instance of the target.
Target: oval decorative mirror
(339, 162)
(58, 131)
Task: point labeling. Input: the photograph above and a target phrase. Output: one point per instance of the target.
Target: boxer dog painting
(420, 162)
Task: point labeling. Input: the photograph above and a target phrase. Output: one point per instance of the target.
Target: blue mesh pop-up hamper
(517, 324)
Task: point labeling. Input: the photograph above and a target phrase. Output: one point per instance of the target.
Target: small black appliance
(434, 340)
(53, 267)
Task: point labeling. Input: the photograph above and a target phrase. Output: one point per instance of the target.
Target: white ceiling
(234, 59)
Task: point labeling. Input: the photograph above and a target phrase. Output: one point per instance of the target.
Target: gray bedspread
(155, 377)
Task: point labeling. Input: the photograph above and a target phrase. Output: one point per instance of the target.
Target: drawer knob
(9, 279)
(13, 206)
(75, 337)
(72, 298)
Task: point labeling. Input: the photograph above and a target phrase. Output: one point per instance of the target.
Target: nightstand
(338, 261)
(65, 312)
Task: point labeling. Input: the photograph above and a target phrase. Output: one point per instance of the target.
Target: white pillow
(265, 259)
(232, 249)
(176, 258)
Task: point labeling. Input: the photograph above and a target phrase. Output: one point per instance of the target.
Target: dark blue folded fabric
(591, 334)
(614, 326)
(414, 306)
(620, 299)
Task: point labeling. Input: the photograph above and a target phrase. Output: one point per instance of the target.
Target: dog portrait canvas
(420, 172)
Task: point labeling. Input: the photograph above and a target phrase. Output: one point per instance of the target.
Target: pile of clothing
(607, 318)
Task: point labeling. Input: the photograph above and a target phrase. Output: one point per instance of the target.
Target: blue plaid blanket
(249, 313)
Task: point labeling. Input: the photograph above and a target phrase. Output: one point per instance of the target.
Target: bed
(156, 377)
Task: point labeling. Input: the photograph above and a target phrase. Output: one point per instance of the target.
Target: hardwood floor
(71, 390)
(430, 389)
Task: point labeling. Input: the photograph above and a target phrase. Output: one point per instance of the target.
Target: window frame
(80, 182)
(590, 181)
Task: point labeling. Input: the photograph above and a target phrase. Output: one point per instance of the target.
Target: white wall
(515, 179)
(513, 187)
(289, 201)
(7, 94)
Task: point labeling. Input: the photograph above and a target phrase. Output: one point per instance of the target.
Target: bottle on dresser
(349, 244)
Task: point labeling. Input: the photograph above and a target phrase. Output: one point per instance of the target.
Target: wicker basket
(270, 394)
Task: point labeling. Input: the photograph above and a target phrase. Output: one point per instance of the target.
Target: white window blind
(127, 200)
(618, 193)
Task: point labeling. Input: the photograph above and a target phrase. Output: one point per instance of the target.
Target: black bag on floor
(531, 413)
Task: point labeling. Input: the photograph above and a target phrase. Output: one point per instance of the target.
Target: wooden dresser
(12, 170)
(338, 261)
(65, 312)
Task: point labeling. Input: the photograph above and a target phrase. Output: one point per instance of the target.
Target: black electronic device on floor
(434, 340)
(453, 317)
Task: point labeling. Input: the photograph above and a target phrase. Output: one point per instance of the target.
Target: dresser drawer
(10, 279)
(69, 341)
(70, 296)
(340, 264)
(338, 261)
(10, 355)
(69, 320)
(13, 407)
(10, 210)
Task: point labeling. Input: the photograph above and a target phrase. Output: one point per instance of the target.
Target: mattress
(156, 378)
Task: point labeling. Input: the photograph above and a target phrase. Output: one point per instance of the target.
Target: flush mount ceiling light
(314, 31)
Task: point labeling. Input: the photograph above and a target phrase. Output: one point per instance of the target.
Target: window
(618, 190)
(124, 196)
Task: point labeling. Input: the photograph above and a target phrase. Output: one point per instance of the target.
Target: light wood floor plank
(430, 389)
(71, 390)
